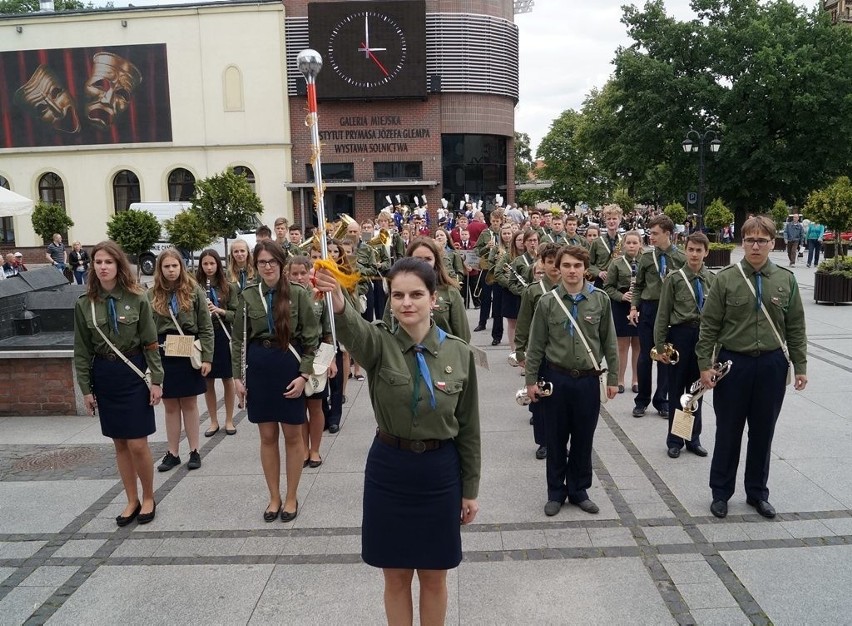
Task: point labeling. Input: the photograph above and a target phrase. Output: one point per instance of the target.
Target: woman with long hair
(110, 386)
(78, 261)
(422, 475)
(180, 307)
(240, 265)
(282, 335)
(618, 283)
(222, 304)
(448, 311)
(511, 287)
(452, 259)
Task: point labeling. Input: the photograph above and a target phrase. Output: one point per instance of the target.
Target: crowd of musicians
(579, 312)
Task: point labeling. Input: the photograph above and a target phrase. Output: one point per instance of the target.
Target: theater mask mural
(79, 96)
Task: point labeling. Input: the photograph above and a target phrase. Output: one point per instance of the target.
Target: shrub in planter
(717, 216)
(832, 207)
(833, 281)
(720, 255)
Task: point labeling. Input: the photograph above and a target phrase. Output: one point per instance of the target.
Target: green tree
(49, 219)
(524, 163)
(622, 198)
(226, 203)
(186, 231)
(831, 206)
(780, 212)
(135, 231)
(676, 212)
(717, 216)
(15, 7)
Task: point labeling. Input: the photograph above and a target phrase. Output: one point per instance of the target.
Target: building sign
(372, 134)
(370, 49)
(81, 96)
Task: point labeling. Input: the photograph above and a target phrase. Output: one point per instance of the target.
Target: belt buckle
(111, 357)
(418, 447)
(574, 373)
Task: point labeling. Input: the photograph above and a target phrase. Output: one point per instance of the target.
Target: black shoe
(144, 518)
(674, 452)
(271, 516)
(552, 507)
(588, 506)
(638, 411)
(289, 517)
(532, 421)
(541, 453)
(719, 508)
(663, 411)
(495, 342)
(314, 463)
(762, 506)
(211, 432)
(621, 389)
(479, 328)
(698, 450)
(343, 400)
(124, 521)
(334, 429)
(194, 460)
(170, 461)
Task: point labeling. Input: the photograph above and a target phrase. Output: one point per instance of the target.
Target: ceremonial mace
(310, 63)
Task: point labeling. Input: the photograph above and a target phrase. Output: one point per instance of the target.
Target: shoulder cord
(119, 354)
(765, 313)
(595, 364)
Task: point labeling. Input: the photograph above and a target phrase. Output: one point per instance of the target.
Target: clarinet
(243, 366)
(633, 270)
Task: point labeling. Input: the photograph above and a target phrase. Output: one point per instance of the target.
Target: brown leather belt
(756, 353)
(573, 373)
(112, 356)
(411, 445)
(691, 324)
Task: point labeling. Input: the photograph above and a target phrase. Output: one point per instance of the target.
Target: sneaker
(194, 460)
(170, 461)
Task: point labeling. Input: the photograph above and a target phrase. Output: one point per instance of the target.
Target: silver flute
(243, 365)
(633, 270)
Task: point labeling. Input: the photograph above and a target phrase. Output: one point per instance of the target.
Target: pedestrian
(571, 332)
(678, 318)
(423, 468)
(180, 308)
(78, 260)
(240, 264)
(453, 261)
(10, 267)
(607, 247)
(815, 235)
(222, 304)
(277, 326)
(56, 254)
(620, 279)
(794, 236)
(754, 317)
(115, 341)
(511, 290)
(19, 259)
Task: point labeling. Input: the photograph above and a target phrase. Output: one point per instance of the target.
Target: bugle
(545, 389)
(689, 401)
(668, 350)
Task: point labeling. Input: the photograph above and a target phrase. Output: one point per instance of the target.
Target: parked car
(829, 236)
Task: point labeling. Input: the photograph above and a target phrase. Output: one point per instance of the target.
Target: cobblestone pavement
(653, 555)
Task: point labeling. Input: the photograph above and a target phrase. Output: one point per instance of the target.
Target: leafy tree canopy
(15, 7)
(226, 203)
(676, 212)
(831, 206)
(135, 231)
(524, 163)
(49, 219)
(186, 231)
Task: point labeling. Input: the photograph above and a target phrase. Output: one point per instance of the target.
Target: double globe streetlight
(698, 145)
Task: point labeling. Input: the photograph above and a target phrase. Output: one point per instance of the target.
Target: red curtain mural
(80, 96)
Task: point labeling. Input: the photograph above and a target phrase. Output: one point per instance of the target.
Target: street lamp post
(697, 145)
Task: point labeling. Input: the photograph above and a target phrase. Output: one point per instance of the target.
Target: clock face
(367, 49)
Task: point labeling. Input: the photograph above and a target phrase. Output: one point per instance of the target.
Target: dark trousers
(332, 406)
(752, 393)
(681, 377)
(496, 312)
(368, 312)
(571, 416)
(484, 299)
(647, 316)
(814, 248)
(379, 300)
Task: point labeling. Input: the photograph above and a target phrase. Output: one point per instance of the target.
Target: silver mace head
(309, 63)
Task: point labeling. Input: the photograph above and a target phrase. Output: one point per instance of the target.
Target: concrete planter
(832, 288)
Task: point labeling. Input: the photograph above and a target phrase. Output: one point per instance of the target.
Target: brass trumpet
(545, 389)
(340, 231)
(305, 246)
(616, 251)
(689, 401)
(381, 239)
(669, 350)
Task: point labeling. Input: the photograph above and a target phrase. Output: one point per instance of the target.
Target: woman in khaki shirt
(422, 474)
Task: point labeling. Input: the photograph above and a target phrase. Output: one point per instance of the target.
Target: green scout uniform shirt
(648, 281)
(559, 240)
(304, 326)
(391, 367)
(485, 237)
(449, 314)
(196, 321)
(136, 329)
(731, 321)
(550, 338)
(321, 316)
(454, 264)
(600, 253)
(524, 265)
(618, 277)
(678, 304)
(576, 240)
(230, 305)
(529, 300)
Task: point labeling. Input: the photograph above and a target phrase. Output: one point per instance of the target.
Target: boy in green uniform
(678, 318)
(602, 249)
(754, 316)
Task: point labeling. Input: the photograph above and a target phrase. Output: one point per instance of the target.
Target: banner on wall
(84, 96)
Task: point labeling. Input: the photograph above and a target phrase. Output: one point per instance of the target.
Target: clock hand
(375, 60)
(366, 37)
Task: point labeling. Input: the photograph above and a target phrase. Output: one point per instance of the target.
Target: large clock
(370, 49)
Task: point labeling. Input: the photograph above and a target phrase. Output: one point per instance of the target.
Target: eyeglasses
(269, 263)
(751, 241)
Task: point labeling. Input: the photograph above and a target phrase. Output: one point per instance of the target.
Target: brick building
(841, 10)
(443, 126)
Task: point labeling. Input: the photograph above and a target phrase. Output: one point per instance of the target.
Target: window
(244, 171)
(401, 170)
(336, 202)
(181, 185)
(333, 172)
(7, 224)
(475, 165)
(232, 88)
(51, 189)
(125, 190)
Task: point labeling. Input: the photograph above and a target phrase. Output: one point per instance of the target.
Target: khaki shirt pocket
(449, 387)
(780, 298)
(738, 301)
(592, 319)
(128, 319)
(394, 387)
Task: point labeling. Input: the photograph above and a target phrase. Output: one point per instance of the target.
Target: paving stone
(79, 548)
(5, 572)
(482, 542)
(720, 617)
(21, 602)
(651, 511)
(49, 576)
(20, 549)
(568, 538)
(523, 539)
(765, 530)
(840, 526)
(659, 535)
(712, 595)
(681, 558)
(691, 572)
(807, 528)
(609, 537)
(199, 547)
(131, 548)
(48, 506)
(723, 531)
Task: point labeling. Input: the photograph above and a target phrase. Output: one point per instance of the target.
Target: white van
(167, 210)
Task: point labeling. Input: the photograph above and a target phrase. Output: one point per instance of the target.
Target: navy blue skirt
(181, 379)
(623, 328)
(511, 304)
(123, 399)
(221, 367)
(412, 508)
(268, 373)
